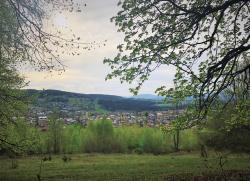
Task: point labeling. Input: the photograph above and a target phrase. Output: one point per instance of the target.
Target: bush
(153, 141)
(236, 140)
(228, 130)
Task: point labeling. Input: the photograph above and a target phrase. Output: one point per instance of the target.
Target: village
(142, 119)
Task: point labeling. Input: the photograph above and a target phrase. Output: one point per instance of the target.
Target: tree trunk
(176, 140)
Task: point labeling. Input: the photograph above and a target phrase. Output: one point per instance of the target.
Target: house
(43, 123)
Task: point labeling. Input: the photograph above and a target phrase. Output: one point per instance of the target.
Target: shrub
(189, 140)
(229, 129)
(153, 141)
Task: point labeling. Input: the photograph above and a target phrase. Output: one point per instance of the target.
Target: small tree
(100, 136)
(55, 136)
(175, 127)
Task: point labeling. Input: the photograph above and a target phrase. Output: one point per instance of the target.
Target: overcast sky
(86, 73)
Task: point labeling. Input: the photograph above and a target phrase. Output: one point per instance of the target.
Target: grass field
(119, 167)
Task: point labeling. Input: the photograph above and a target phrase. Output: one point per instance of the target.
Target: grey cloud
(86, 73)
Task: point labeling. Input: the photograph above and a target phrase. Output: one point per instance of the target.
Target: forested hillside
(52, 99)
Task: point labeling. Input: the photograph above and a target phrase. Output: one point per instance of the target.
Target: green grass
(116, 167)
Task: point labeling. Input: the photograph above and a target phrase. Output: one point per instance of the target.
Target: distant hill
(148, 97)
(51, 99)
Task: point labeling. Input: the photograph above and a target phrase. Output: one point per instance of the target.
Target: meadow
(176, 166)
(103, 152)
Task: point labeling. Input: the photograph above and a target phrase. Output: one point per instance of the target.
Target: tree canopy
(207, 41)
(25, 40)
(23, 26)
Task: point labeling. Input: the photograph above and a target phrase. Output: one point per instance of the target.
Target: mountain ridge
(49, 99)
(148, 96)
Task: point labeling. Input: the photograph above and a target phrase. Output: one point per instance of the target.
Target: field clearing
(118, 167)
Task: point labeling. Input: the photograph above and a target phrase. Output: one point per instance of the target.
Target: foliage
(11, 99)
(240, 115)
(55, 135)
(182, 122)
(206, 41)
(99, 136)
(24, 40)
(228, 129)
(73, 139)
(12, 102)
(25, 139)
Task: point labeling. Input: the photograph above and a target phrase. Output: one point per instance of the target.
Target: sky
(86, 73)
